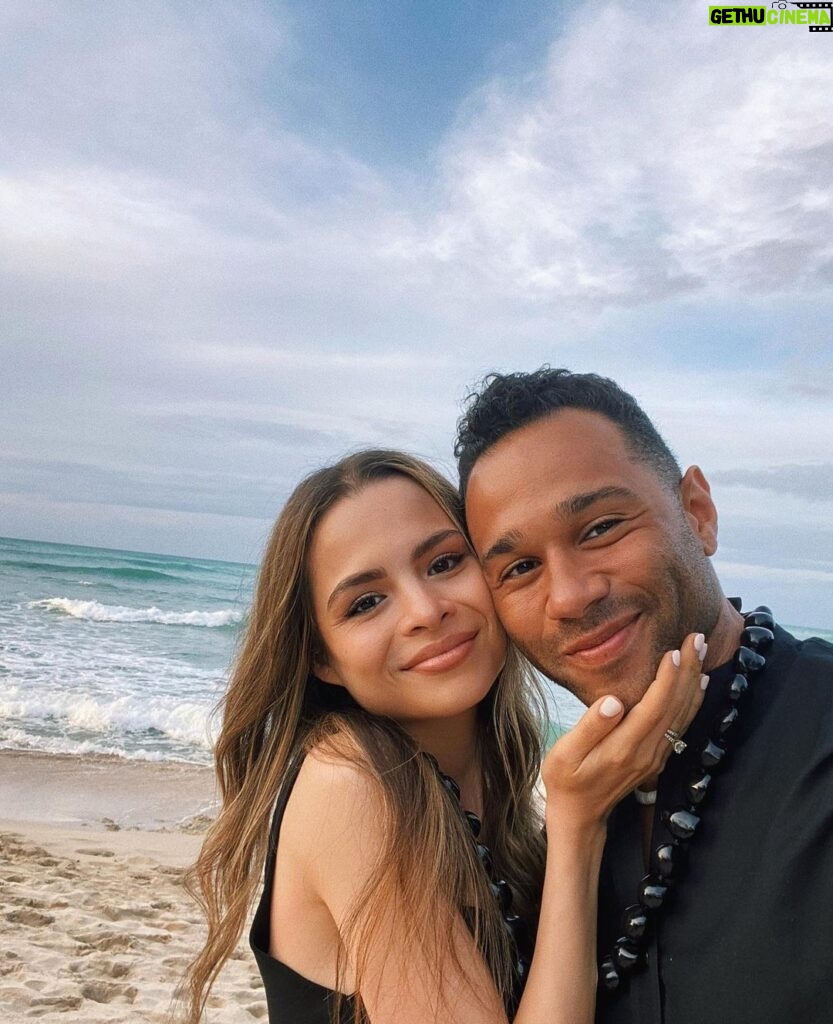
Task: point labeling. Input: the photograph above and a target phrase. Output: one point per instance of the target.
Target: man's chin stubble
(620, 684)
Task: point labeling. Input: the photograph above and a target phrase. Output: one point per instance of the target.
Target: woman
(372, 672)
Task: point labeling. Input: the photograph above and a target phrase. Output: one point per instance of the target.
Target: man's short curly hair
(505, 402)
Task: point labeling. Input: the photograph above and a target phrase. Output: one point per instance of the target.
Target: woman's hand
(608, 753)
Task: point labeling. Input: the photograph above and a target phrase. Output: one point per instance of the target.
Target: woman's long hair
(429, 871)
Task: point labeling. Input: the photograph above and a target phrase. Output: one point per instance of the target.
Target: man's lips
(604, 643)
(443, 654)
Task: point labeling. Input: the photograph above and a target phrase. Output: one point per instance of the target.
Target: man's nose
(571, 588)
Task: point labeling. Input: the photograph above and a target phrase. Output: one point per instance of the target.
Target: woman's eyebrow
(356, 580)
(425, 546)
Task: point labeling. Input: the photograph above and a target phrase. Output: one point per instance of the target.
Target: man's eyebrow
(572, 506)
(371, 575)
(578, 503)
(504, 545)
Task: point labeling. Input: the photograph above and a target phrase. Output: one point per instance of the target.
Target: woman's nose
(423, 607)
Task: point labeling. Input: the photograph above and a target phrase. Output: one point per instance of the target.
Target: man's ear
(700, 511)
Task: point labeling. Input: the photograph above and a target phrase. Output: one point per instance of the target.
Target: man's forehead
(553, 470)
(503, 524)
(562, 432)
(571, 451)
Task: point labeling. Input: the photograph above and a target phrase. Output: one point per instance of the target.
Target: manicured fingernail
(675, 657)
(704, 682)
(610, 706)
(702, 647)
(699, 640)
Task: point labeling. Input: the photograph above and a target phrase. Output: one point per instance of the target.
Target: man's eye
(445, 563)
(600, 529)
(520, 568)
(364, 604)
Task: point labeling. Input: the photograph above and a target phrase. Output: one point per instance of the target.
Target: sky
(239, 240)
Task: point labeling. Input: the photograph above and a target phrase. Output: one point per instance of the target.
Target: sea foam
(18, 739)
(93, 611)
(88, 715)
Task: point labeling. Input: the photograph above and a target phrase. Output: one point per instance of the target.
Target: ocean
(124, 653)
(115, 652)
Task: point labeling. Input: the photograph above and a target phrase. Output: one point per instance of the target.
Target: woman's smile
(444, 654)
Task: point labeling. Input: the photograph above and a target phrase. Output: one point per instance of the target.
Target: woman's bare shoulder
(331, 779)
(334, 818)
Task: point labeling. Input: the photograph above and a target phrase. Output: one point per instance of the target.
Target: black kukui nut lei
(500, 889)
(629, 952)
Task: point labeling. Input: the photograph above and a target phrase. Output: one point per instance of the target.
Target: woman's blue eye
(445, 563)
(364, 604)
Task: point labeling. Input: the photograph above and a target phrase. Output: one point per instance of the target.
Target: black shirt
(290, 997)
(748, 938)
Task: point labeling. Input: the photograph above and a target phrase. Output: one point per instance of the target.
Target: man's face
(596, 566)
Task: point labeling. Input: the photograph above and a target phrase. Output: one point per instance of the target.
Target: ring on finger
(673, 738)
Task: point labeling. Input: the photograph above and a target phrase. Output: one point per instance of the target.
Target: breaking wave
(85, 722)
(93, 611)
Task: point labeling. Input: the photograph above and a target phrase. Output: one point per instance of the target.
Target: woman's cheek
(371, 648)
(475, 589)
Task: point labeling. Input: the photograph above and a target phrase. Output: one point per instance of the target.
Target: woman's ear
(322, 670)
(699, 508)
(320, 658)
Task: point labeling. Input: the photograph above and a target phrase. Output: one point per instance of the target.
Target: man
(716, 896)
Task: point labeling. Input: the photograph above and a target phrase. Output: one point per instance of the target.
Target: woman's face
(402, 607)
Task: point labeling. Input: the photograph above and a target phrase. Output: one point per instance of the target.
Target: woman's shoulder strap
(284, 792)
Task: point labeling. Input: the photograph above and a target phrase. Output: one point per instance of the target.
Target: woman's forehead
(379, 523)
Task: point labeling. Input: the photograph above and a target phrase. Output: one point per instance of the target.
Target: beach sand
(95, 924)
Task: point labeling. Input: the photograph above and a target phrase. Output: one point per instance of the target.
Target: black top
(290, 997)
(748, 938)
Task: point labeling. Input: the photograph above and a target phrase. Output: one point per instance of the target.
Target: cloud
(633, 168)
(177, 489)
(808, 577)
(151, 171)
(155, 87)
(263, 357)
(809, 365)
(279, 435)
(813, 482)
(619, 173)
(799, 595)
(135, 527)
